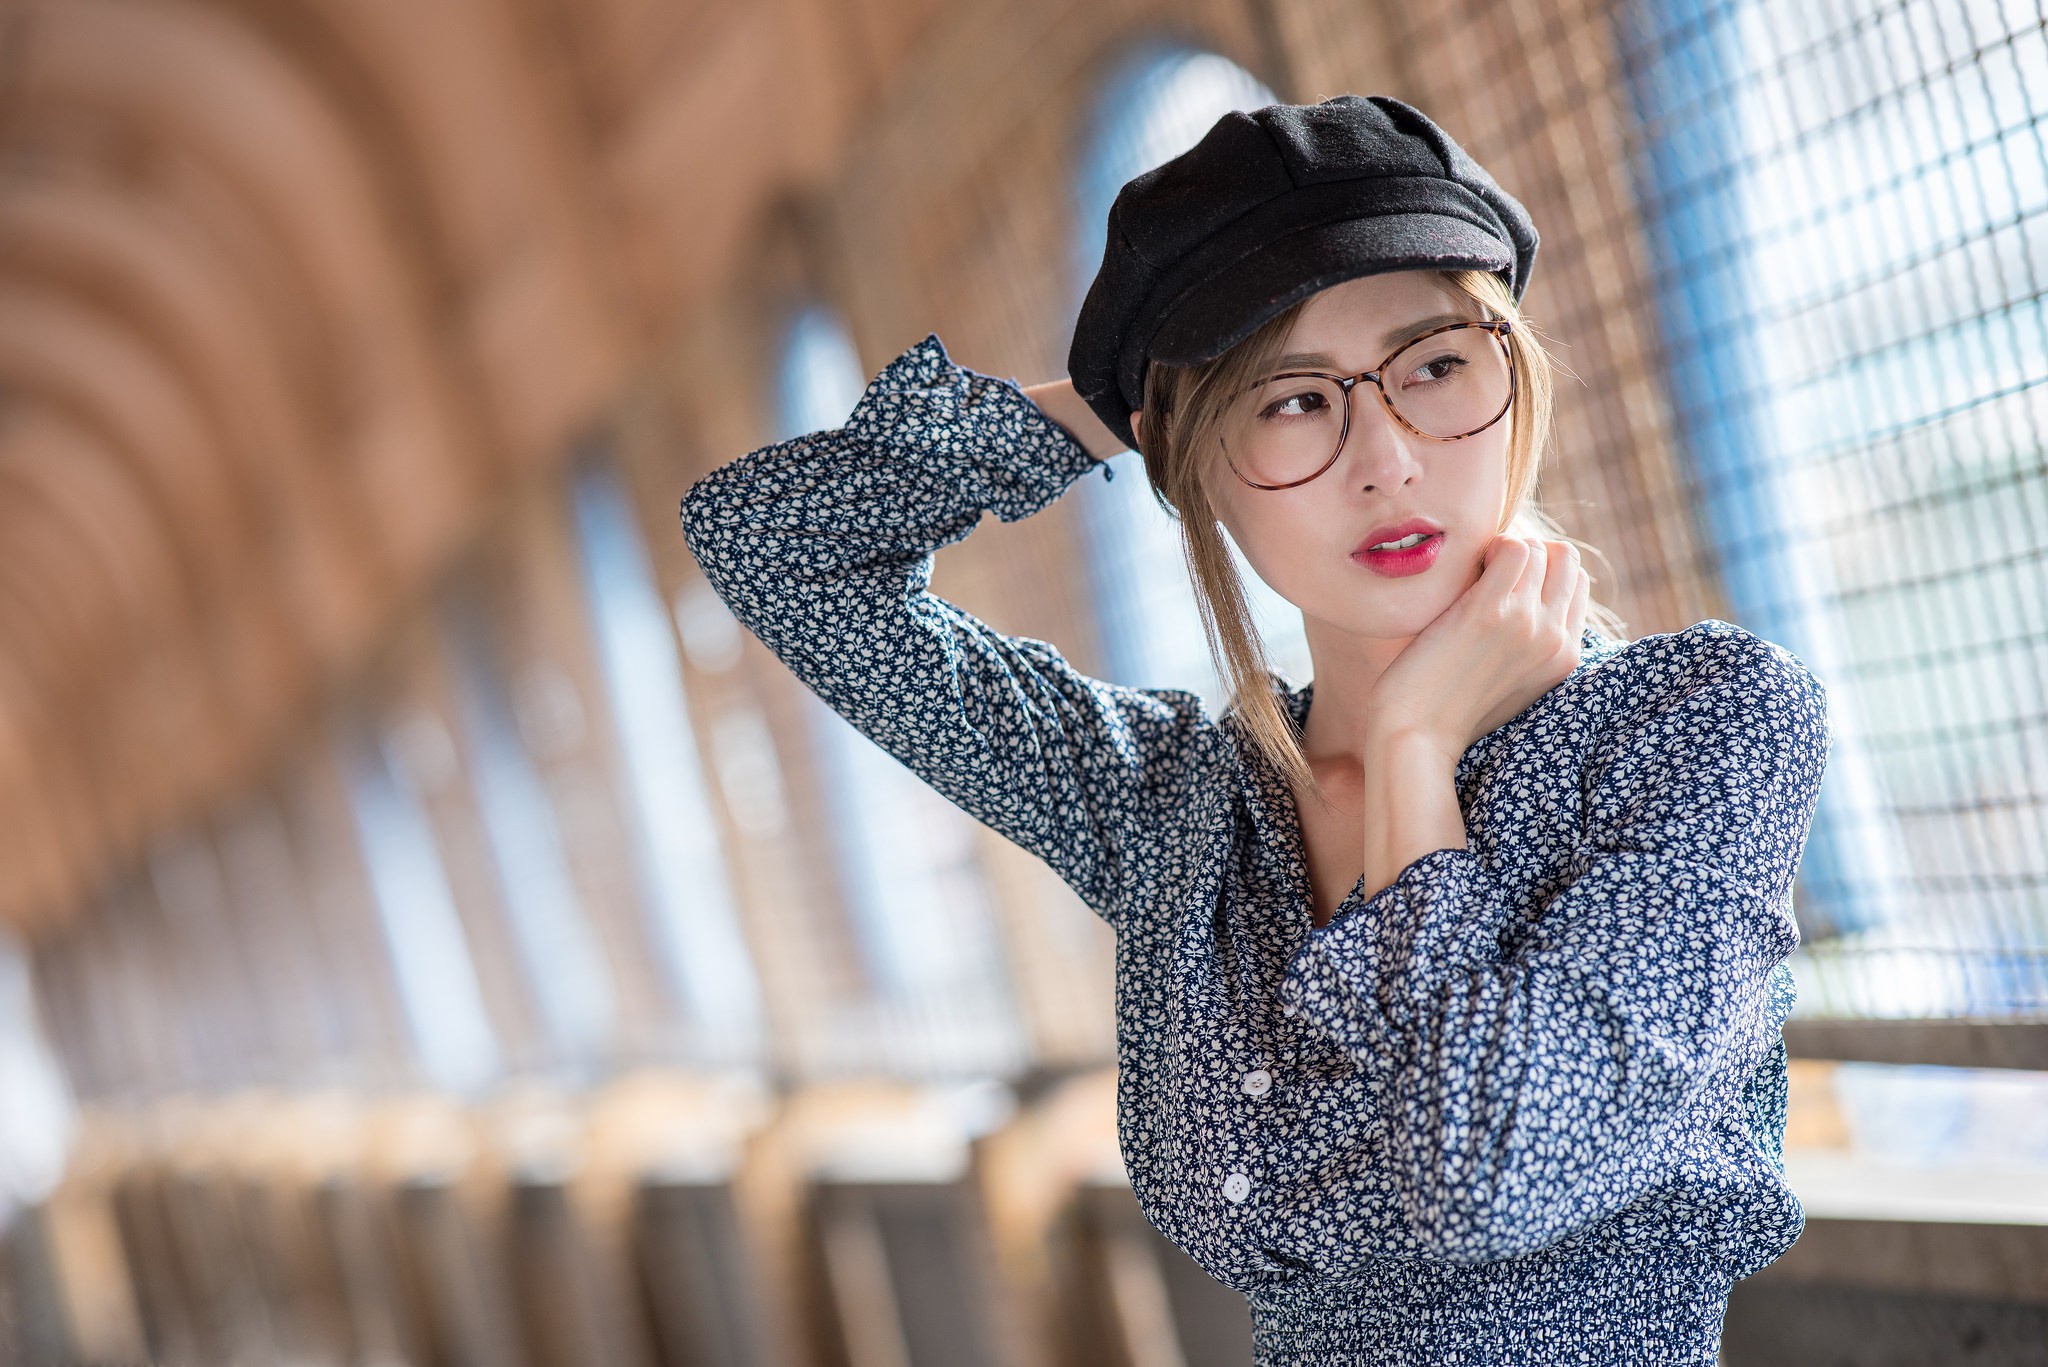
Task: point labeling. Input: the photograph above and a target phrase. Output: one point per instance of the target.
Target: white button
(1236, 1187)
(1258, 1082)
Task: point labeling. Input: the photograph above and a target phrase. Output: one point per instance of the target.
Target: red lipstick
(1396, 564)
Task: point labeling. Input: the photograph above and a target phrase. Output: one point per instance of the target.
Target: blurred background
(433, 932)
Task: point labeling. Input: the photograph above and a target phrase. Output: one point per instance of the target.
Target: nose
(1377, 452)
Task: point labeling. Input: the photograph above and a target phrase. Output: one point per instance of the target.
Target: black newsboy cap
(1268, 208)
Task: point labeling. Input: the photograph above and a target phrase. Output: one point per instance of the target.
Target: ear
(1138, 424)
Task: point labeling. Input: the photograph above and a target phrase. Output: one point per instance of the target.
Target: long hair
(1185, 407)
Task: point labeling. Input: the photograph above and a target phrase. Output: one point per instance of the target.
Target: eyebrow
(1405, 333)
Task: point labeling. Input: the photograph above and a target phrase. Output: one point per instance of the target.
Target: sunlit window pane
(563, 960)
(430, 955)
(681, 864)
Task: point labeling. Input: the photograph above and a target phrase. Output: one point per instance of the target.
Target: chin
(1373, 626)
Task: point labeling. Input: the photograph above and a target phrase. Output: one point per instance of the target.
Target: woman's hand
(1509, 638)
(1058, 401)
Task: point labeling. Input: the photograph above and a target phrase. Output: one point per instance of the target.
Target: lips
(1394, 531)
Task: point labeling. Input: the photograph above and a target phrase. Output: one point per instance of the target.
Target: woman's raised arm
(822, 546)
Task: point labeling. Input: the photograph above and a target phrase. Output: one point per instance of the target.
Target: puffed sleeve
(823, 545)
(1538, 1089)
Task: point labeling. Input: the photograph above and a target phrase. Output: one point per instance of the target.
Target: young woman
(1450, 985)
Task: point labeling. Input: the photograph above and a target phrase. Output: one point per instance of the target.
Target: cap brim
(1230, 303)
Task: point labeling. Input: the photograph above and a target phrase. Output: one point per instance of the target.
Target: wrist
(1405, 747)
(1411, 803)
(1058, 401)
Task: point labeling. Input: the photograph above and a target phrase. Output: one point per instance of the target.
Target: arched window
(1156, 105)
(430, 955)
(563, 960)
(681, 864)
(914, 884)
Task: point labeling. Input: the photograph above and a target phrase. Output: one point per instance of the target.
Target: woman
(1449, 986)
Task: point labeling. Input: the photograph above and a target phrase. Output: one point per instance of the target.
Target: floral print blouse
(1524, 1104)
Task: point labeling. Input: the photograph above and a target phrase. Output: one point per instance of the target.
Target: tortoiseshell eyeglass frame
(1498, 327)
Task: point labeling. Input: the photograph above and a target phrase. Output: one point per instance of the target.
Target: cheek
(1479, 481)
(1289, 541)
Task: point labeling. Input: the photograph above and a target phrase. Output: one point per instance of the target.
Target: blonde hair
(1184, 409)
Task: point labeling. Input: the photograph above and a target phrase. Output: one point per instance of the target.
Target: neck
(1347, 666)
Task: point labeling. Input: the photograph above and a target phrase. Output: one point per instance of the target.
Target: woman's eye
(1302, 405)
(1438, 370)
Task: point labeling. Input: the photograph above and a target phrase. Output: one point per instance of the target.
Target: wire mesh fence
(1793, 256)
(1845, 204)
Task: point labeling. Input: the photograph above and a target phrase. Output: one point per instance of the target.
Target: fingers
(1501, 552)
(1499, 571)
(1508, 559)
(1544, 575)
(1551, 583)
(1561, 574)
(1537, 571)
(1526, 593)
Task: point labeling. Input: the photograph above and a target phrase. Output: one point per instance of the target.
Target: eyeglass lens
(1446, 385)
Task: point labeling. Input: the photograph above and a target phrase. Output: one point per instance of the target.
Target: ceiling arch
(89, 593)
(39, 666)
(195, 78)
(79, 603)
(34, 640)
(286, 291)
(207, 297)
(160, 281)
(431, 95)
(56, 354)
(53, 349)
(51, 459)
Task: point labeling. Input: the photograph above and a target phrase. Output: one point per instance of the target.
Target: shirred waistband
(1541, 1310)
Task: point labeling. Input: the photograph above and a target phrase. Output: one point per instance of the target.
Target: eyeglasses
(1449, 383)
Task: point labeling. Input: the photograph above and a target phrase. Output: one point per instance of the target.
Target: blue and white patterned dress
(1524, 1105)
